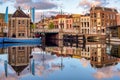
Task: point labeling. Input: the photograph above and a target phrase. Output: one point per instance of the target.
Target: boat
(6, 45)
(1, 39)
(20, 40)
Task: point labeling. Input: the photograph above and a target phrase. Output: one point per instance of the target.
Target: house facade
(102, 17)
(19, 25)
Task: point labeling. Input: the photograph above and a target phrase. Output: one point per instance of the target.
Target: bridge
(69, 35)
(47, 30)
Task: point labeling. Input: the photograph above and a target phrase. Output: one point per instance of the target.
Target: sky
(52, 7)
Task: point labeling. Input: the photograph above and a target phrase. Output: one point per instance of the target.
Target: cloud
(41, 4)
(23, 1)
(46, 14)
(52, 12)
(87, 4)
(84, 4)
(27, 4)
(107, 72)
(84, 62)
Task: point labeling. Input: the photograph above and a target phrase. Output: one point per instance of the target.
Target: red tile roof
(61, 16)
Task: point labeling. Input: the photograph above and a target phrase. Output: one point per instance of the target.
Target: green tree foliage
(33, 26)
(51, 25)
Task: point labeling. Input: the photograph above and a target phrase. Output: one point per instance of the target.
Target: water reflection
(19, 58)
(96, 60)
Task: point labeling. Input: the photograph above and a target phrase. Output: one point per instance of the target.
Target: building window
(13, 23)
(21, 48)
(87, 24)
(21, 34)
(102, 15)
(113, 16)
(103, 30)
(22, 21)
(88, 31)
(94, 15)
(18, 21)
(98, 15)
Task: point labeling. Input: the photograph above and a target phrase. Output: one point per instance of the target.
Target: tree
(51, 25)
(33, 26)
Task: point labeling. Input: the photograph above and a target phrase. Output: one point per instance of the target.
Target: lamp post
(43, 33)
(61, 64)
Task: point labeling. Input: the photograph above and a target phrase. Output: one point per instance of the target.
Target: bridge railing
(47, 30)
(56, 30)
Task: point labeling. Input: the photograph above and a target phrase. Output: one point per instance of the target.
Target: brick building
(3, 25)
(19, 25)
(102, 17)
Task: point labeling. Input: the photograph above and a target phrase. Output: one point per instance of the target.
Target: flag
(33, 14)
(33, 67)
(6, 15)
(6, 71)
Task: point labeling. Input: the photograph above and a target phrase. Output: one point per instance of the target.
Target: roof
(76, 15)
(19, 69)
(61, 16)
(20, 13)
(104, 9)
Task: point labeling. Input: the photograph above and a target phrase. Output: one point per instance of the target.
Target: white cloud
(86, 4)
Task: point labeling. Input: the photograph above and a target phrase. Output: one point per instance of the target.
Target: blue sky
(51, 7)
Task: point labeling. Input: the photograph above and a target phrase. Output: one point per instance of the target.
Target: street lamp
(43, 33)
(61, 64)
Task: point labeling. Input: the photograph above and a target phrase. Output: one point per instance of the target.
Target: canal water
(90, 61)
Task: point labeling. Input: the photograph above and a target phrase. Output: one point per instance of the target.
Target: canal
(58, 60)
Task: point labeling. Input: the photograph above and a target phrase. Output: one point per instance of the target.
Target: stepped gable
(20, 13)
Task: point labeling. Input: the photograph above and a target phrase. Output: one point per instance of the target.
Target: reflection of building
(19, 58)
(99, 58)
(115, 51)
(114, 31)
(65, 51)
(3, 50)
(85, 53)
(19, 25)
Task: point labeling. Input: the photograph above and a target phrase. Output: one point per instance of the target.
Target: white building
(85, 24)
